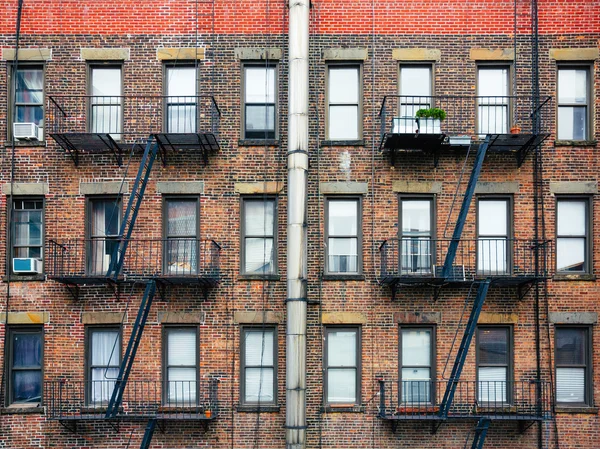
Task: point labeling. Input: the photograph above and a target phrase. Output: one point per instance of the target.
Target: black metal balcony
(414, 400)
(410, 261)
(168, 261)
(515, 124)
(142, 400)
(85, 124)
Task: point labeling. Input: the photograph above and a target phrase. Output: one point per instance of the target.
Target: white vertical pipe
(295, 417)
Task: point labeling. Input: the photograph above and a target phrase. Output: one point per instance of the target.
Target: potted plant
(515, 129)
(430, 120)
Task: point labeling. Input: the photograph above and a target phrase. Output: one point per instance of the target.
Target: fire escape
(477, 264)
(120, 260)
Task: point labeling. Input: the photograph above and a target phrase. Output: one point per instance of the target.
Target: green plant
(431, 113)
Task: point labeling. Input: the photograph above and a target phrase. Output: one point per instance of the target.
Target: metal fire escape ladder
(464, 209)
(148, 434)
(133, 207)
(463, 349)
(480, 433)
(134, 340)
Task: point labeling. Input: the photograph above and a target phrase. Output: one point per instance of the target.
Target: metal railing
(472, 116)
(145, 258)
(142, 399)
(420, 399)
(129, 118)
(475, 258)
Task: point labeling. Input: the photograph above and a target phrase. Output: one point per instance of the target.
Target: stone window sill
(561, 277)
(344, 408)
(254, 277)
(22, 409)
(26, 143)
(258, 409)
(343, 277)
(258, 142)
(582, 409)
(24, 278)
(575, 143)
(342, 143)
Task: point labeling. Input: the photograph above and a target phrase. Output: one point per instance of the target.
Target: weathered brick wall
(453, 28)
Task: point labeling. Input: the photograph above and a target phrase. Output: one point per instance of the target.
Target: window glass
(259, 102)
(573, 103)
(104, 224)
(416, 91)
(105, 347)
(106, 101)
(572, 367)
(344, 102)
(416, 245)
(259, 234)
(182, 239)
(28, 216)
(342, 242)
(342, 366)
(493, 233)
(493, 364)
(259, 366)
(25, 377)
(416, 361)
(571, 235)
(29, 95)
(492, 93)
(182, 366)
(181, 99)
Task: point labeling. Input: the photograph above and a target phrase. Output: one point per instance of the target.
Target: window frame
(589, 129)
(22, 65)
(509, 232)
(180, 65)
(416, 64)
(259, 64)
(243, 331)
(510, 109)
(165, 365)
(432, 367)
(243, 236)
(588, 367)
(9, 332)
(337, 328)
(432, 225)
(10, 253)
(91, 66)
(89, 330)
(89, 236)
(359, 237)
(588, 236)
(509, 367)
(165, 235)
(359, 106)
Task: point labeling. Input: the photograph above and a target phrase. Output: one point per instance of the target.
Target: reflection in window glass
(343, 91)
(259, 102)
(571, 235)
(342, 230)
(573, 104)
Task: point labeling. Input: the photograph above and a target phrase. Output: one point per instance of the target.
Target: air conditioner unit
(27, 131)
(26, 265)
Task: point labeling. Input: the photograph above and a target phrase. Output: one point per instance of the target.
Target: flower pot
(515, 130)
(429, 125)
(404, 125)
(208, 414)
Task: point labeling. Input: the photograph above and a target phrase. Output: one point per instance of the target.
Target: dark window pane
(493, 346)
(27, 350)
(570, 346)
(27, 386)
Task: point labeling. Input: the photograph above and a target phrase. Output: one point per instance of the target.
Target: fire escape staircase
(480, 433)
(148, 434)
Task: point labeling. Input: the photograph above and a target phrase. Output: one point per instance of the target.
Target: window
(342, 365)
(25, 361)
(573, 365)
(260, 104)
(494, 370)
(573, 235)
(259, 366)
(416, 365)
(343, 235)
(103, 359)
(416, 232)
(493, 232)
(493, 100)
(28, 96)
(180, 366)
(181, 233)
(27, 231)
(181, 99)
(258, 236)
(573, 103)
(104, 222)
(106, 102)
(416, 90)
(344, 104)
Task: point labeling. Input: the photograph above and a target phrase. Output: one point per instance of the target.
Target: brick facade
(221, 28)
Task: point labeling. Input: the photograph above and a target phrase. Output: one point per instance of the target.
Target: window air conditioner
(27, 131)
(26, 265)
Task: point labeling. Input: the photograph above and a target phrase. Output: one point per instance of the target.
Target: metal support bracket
(435, 426)
(73, 290)
(523, 289)
(525, 425)
(70, 425)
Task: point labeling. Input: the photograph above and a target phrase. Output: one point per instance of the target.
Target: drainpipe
(295, 413)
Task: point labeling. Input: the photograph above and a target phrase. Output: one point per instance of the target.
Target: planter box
(463, 141)
(429, 125)
(404, 125)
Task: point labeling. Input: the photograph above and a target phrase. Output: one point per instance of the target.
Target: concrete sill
(23, 409)
(576, 409)
(26, 143)
(343, 277)
(257, 409)
(24, 278)
(342, 143)
(254, 277)
(574, 277)
(575, 143)
(258, 142)
(344, 408)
